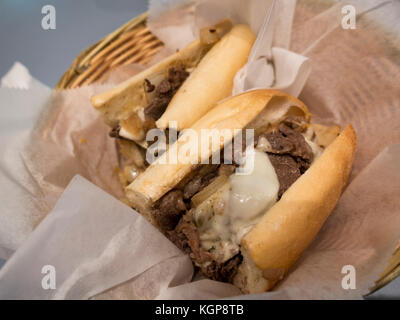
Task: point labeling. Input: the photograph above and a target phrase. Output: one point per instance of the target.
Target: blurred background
(48, 53)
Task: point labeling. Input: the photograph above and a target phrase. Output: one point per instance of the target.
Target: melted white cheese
(252, 195)
(245, 199)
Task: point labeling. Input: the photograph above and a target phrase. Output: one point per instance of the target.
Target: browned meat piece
(226, 169)
(279, 143)
(294, 122)
(164, 91)
(223, 271)
(157, 106)
(170, 209)
(290, 155)
(186, 237)
(287, 170)
(114, 133)
(301, 147)
(192, 187)
(286, 140)
(198, 183)
(149, 87)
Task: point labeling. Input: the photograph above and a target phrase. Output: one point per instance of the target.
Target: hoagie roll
(248, 229)
(179, 89)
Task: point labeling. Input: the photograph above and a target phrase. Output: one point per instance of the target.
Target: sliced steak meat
(286, 140)
(164, 87)
(192, 187)
(186, 237)
(164, 91)
(149, 87)
(279, 143)
(226, 169)
(303, 164)
(287, 170)
(157, 106)
(201, 180)
(301, 148)
(289, 154)
(170, 209)
(114, 133)
(176, 76)
(223, 271)
(295, 122)
(198, 183)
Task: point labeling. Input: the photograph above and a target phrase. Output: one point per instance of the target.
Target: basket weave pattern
(131, 43)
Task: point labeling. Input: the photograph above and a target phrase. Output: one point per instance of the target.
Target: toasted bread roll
(231, 235)
(286, 230)
(211, 81)
(212, 62)
(118, 103)
(263, 107)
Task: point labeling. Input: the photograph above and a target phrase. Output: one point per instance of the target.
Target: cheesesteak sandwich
(180, 88)
(248, 229)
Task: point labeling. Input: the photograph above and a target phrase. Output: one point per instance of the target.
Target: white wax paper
(94, 242)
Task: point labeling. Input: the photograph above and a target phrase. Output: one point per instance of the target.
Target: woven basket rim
(90, 64)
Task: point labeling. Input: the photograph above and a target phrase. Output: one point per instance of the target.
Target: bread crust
(198, 93)
(286, 230)
(211, 81)
(119, 102)
(234, 113)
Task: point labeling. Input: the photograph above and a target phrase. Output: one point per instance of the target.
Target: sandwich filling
(131, 134)
(208, 214)
(159, 93)
(164, 92)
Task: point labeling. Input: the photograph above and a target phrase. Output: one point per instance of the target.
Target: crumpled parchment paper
(102, 249)
(270, 63)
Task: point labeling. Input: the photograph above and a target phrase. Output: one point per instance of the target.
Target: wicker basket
(131, 43)
(134, 43)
